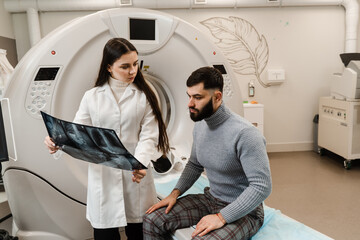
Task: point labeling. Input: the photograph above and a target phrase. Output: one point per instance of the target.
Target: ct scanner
(46, 193)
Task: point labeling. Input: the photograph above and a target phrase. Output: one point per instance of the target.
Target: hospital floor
(312, 189)
(318, 192)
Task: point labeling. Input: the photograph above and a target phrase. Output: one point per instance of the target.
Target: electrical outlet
(276, 75)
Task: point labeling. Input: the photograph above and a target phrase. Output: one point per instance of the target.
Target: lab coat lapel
(106, 104)
(129, 91)
(108, 93)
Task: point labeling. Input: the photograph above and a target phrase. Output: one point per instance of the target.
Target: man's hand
(208, 223)
(138, 175)
(169, 201)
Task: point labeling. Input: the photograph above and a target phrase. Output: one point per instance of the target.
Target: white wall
(6, 25)
(304, 41)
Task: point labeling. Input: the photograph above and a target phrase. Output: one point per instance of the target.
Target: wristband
(222, 220)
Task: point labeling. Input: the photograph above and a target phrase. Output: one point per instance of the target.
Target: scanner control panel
(40, 91)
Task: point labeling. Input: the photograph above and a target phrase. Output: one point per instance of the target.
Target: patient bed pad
(277, 226)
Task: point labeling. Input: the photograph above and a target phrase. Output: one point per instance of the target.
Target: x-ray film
(91, 144)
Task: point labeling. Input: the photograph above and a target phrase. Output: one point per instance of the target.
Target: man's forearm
(188, 177)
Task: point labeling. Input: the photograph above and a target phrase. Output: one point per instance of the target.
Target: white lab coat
(113, 199)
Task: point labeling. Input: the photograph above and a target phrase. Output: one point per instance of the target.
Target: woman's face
(125, 68)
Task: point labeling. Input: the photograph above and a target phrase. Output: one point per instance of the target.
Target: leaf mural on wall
(245, 49)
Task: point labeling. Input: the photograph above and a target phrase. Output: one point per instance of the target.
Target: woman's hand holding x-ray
(51, 145)
(138, 175)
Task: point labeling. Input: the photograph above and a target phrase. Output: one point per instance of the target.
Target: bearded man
(233, 154)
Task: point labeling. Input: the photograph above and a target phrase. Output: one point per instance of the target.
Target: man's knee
(156, 218)
(150, 218)
(155, 225)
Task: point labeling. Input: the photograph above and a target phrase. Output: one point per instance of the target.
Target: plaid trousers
(188, 211)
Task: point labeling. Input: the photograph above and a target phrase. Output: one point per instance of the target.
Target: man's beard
(206, 112)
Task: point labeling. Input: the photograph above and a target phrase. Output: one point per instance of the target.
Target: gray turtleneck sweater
(233, 153)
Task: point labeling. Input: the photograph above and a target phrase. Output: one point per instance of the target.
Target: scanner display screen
(221, 68)
(3, 147)
(46, 74)
(142, 29)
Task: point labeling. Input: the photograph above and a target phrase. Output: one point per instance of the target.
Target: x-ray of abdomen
(91, 144)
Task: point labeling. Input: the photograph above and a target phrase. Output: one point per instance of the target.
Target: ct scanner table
(277, 226)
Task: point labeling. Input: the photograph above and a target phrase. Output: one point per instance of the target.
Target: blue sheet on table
(277, 226)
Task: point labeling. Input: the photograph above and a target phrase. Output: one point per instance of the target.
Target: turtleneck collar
(218, 117)
(114, 83)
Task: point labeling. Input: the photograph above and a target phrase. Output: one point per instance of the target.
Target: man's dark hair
(211, 77)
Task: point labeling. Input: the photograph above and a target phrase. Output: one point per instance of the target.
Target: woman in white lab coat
(123, 101)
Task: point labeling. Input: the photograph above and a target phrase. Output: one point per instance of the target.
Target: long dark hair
(113, 50)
